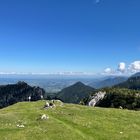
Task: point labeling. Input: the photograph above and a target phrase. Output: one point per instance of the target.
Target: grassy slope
(70, 122)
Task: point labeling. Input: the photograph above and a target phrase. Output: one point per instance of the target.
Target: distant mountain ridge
(109, 82)
(133, 82)
(75, 93)
(136, 74)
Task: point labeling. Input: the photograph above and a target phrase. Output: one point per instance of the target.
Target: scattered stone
(53, 104)
(44, 117)
(47, 104)
(20, 126)
(120, 107)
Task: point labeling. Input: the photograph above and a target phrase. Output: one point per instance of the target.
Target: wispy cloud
(67, 73)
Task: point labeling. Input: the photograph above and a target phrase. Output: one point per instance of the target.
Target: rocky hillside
(10, 94)
(125, 98)
(114, 98)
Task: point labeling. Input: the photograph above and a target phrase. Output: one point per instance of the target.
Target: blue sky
(46, 36)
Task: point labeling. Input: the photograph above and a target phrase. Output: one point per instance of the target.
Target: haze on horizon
(75, 36)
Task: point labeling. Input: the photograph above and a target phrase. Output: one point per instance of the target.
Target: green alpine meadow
(67, 122)
(69, 69)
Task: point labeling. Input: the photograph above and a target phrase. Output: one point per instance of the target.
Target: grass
(68, 122)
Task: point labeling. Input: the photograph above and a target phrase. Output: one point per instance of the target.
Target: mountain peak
(75, 93)
(22, 83)
(79, 84)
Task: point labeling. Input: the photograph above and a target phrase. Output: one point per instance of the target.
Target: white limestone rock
(44, 117)
(96, 98)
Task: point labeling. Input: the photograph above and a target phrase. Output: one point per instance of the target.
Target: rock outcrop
(96, 98)
(13, 93)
